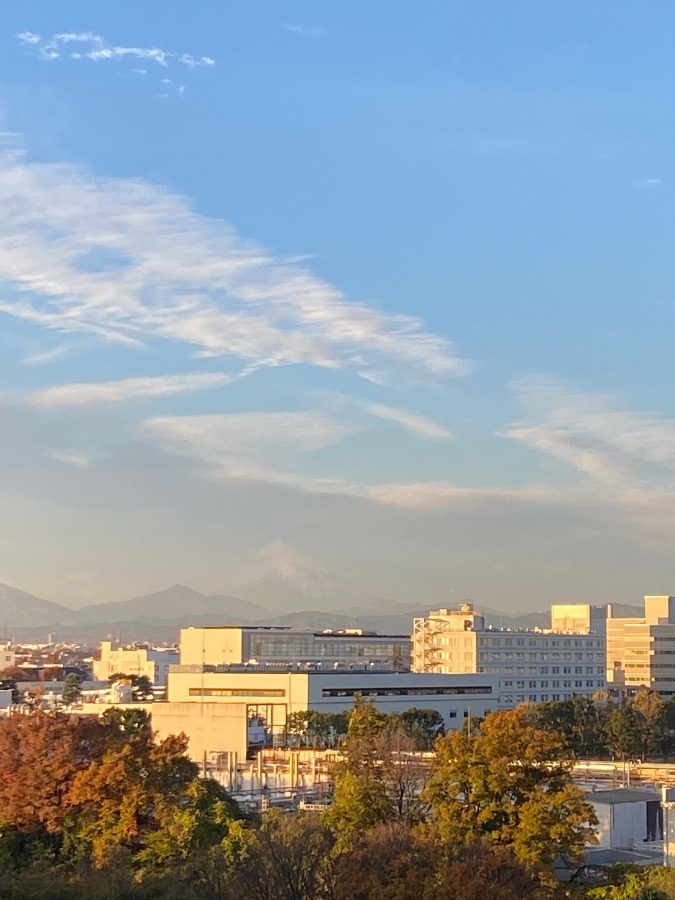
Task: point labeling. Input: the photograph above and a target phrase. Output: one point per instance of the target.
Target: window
(235, 692)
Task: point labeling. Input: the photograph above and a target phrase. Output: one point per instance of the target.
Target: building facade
(532, 666)
(239, 644)
(271, 696)
(7, 655)
(136, 659)
(641, 651)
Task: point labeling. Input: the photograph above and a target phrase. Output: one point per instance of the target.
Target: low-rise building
(7, 656)
(135, 659)
(627, 818)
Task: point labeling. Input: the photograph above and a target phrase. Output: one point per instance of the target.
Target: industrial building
(532, 665)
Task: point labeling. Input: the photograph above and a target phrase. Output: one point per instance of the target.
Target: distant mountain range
(160, 616)
(292, 590)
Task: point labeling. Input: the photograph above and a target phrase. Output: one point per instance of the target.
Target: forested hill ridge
(159, 616)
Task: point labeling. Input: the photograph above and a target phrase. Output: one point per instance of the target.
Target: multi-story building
(7, 655)
(237, 644)
(531, 665)
(641, 651)
(135, 659)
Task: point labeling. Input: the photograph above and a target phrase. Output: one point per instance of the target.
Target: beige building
(7, 656)
(580, 618)
(239, 710)
(641, 651)
(532, 665)
(135, 659)
(224, 645)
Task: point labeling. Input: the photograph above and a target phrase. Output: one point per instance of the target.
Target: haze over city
(315, 287)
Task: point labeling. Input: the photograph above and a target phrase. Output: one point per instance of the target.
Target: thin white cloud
(439, 495)
(416, 424)
(307, 31)
(29, 37)
(93, 47)
(252, 446)
(614, 448)
(71, 458)
(41, 357)
(181, 277)
(95, 393)
(653, 182)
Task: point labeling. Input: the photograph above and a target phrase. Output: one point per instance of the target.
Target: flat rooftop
(622, 795)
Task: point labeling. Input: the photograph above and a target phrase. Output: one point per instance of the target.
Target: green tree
(72, 688)
(424, 726)
(510, 784)
(649, 711)
(201, 821)
(623, 733)
(125, 792)
(288, 858)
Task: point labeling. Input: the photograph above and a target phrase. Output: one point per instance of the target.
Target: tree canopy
(509, 784)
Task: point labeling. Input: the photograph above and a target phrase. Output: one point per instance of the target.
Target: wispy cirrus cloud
(419, 425)
(439, 495)
(130, 262)
(88, 45)
(253, 446)
(614, 448)
(122, 390)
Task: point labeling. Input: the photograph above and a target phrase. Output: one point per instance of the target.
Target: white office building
(531, 665)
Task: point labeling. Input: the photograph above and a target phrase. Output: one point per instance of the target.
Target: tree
(124, 793)
(424, 726)
(510, 784)
(288, 858)
(379, 779)
(414, 866)
(623, 732)
(649, 713)
(40, 756)
(191, 829)
(142, 687)
(72, 688)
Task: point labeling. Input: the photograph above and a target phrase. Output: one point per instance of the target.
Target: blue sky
(392, 291)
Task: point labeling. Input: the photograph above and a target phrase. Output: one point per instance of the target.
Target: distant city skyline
(391, 295)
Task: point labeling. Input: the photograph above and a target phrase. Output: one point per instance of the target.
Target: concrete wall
(621, 825)
(211, 646)
(211, 727)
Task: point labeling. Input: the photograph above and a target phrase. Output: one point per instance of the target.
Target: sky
(390, 291)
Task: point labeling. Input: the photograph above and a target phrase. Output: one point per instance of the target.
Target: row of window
(511, 699)
(539, 670)
(404, 691)
(520, 685)
(540, 641)
(236, 692)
